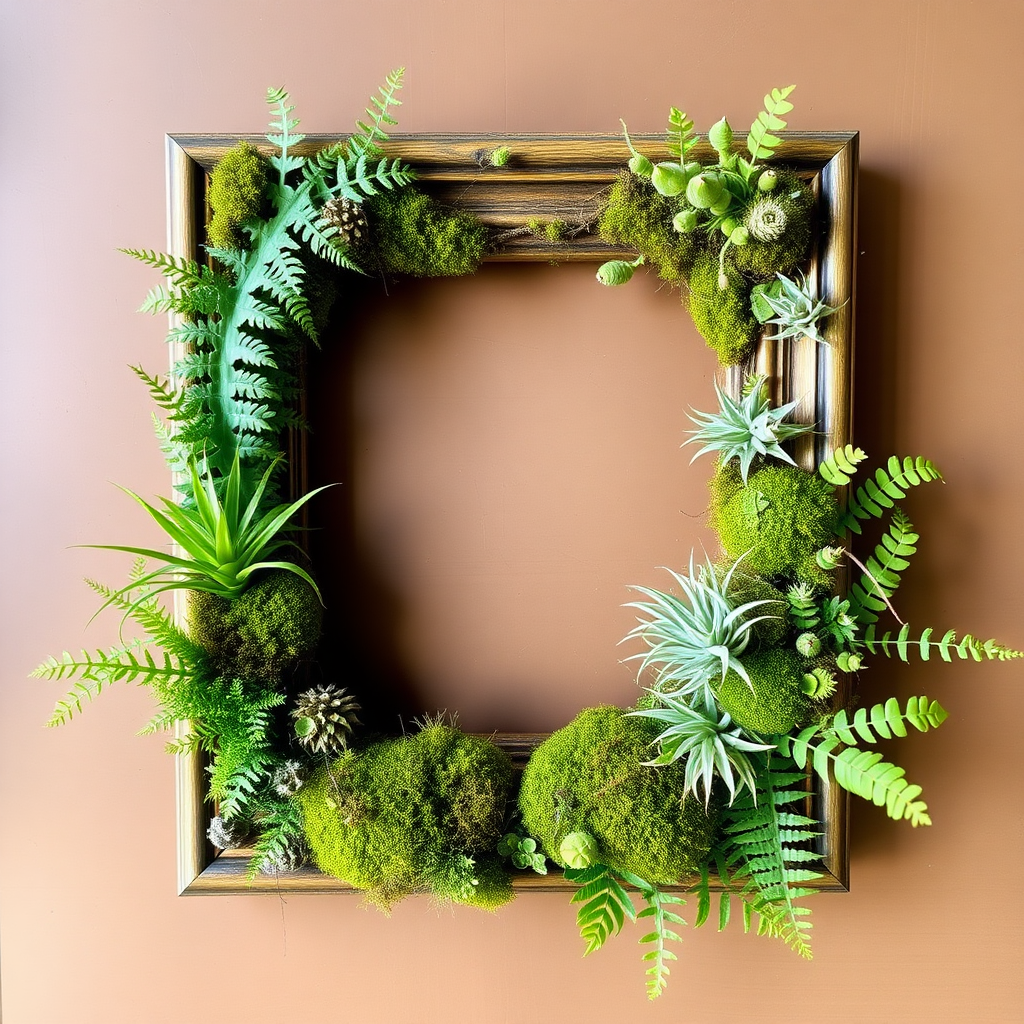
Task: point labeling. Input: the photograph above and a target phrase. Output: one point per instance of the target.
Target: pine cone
(324, 717)
(283, 857)
(348, 218)
(227, 835)
(289, 778)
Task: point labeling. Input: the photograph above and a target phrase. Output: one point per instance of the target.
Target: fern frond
(364, 141)
(869, 597)
(765, 853)
(172, 400)
(761, 143)
(861, 772)
(606, 905)
(883, 721)
(840, 466)
(660, 918)
(179, 271)
(947, 646)
(281, 134)
(872, 498)
(679, 138)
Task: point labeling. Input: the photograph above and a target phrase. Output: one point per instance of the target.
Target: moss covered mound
(782, 218)
(746, 586)
(419, 813)
(777, 521)
(773, 702)
(638, 217)
(722, 315)
(419, 236)
(588, 777)
(238, 190)
(267, 630)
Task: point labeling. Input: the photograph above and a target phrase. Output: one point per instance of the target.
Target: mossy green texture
(424, 812)
(777, 521)
(589, 777)
(268, 629)
(763, 259)
(637, 217)
(773, 702)
(238, 188)
(416, 235)
(747, 586)
(722, 315)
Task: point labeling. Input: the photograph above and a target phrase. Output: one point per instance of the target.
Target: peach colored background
(91, 930)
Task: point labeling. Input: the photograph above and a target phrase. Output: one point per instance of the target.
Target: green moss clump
(722, 315)
(746, 586)
(589, 777)
(419, 236)
(776, 703)
(268, 629)
(424, 812)
(777, 521)
(639, 218)
(238, 190)
(764, 258)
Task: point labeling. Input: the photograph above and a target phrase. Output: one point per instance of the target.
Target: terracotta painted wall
(91, 929)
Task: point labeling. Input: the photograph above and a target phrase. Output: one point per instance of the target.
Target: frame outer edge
(192, 854)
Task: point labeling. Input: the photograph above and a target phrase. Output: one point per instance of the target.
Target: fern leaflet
(761, 143)
(364, 141)
(606, 905)
(661, 918)
(883, 721)
(868, 597)
(872, 498)
(840, 466)
(764, 856)
(968, 647)
(679, 138)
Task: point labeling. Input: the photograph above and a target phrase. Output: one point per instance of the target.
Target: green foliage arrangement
(721, 230)
(707, 782)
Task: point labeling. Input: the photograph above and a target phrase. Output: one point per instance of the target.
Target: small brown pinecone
(324, 717)
(348, 218)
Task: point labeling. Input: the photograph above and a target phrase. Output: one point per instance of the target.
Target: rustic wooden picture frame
(559, 176)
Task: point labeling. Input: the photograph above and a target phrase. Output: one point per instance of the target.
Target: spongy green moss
(763, 260)
(746, 586)
(776, 703)
(722, 315)
(238, 188)
(271, 626)
(413, 814)
(777, 521)
(416, 235)
(588, 777)
(639, 218)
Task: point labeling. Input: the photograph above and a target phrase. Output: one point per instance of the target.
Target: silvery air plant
(790, 306)
(693, 641)
(746, 429)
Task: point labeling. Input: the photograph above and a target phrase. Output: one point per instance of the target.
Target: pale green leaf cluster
(694, 638)
(746, 429)
(791, 306)
(761, 142)
(712, 745)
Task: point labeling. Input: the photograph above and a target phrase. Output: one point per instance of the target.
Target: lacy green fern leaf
(606, 905)
(884, 721)
(840, 466)
(179, 271)
(872, 498)
(761, 143)
(661, 918)
(364, 141)
(901, 645)
(765, 855)
(869, 597)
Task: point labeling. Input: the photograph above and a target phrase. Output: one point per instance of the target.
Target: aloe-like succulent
(224, 543)
(710, 742)
(790, 306)
(696, 638)
(745, 429)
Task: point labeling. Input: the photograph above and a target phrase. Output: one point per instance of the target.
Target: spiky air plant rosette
(704, 783)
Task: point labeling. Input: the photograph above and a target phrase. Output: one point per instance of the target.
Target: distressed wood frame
(560, 176)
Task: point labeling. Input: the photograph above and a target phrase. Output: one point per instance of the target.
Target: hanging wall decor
(727, 781)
